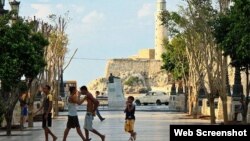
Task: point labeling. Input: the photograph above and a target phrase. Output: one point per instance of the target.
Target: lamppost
(15, 8)
(2, 11)
(237, 87)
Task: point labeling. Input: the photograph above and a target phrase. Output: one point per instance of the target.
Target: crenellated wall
(121, 66)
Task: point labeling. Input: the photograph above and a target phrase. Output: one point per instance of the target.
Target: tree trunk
(186, 96)
(224, 89)
(30, 115)
(57, 86)
(212, 110)
(225, 113)
(8, 118)
(195, 107)
(190, 102)
(190, 107)
(245, 104)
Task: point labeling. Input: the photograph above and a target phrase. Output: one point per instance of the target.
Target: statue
(111, 78)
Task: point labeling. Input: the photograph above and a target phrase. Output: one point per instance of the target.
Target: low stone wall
(177, 102)
(205, 108)
(232, 104)
(16, 116)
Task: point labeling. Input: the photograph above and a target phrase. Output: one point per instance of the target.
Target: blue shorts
(24, 111)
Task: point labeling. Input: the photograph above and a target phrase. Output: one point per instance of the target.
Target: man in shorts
(92, 105)
(73, 121)
(24, 108)
(47, 107)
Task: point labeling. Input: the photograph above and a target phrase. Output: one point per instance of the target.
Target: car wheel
(137, 102)
(158, 102)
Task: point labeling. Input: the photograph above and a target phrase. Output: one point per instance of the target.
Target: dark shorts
(47, 122)
(24, 111)
(73, 122)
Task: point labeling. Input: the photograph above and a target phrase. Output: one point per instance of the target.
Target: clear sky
(100, 29)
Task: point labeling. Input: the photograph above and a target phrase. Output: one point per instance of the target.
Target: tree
(204, 58)
(21, 54)
(185, 23)
(231, 30)
(55, 54)
(175, 60)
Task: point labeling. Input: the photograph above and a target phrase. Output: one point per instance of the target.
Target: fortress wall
(121, 66)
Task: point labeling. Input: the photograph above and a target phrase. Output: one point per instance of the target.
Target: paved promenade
(150, 126)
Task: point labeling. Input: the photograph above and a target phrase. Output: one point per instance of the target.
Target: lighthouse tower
(160, 30)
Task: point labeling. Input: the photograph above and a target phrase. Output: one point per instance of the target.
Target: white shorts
(88, 122)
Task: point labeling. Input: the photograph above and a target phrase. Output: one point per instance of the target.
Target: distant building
(160, 36)
(145, 54)
(160, 30)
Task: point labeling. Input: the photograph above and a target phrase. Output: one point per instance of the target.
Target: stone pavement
(150, 126)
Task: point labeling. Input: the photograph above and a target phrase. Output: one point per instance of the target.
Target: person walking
(73, 121)
(47, 115)
(92, 105)
(130, 118)
(97, 93)
(24, 108)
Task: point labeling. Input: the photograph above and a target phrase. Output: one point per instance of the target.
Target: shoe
(102, 119)
(134, 136)
(131, 139)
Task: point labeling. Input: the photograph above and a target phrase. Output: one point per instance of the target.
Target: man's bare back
(92, 103)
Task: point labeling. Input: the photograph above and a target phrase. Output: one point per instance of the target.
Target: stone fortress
(142, 71)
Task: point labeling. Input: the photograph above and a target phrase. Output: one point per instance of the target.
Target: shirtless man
(92, 105)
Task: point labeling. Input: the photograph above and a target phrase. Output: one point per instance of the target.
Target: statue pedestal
(233, 105)
(116, 100)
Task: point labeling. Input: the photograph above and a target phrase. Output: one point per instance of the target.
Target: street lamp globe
(14, 5)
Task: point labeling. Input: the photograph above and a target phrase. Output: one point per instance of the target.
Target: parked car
(153, 97)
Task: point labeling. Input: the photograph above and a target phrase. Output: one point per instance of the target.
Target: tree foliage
(175, 58)
(204, 59)
(231, 30)
(21, 54)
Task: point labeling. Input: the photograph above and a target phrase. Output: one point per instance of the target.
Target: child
(73, 121)
(130, 117)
